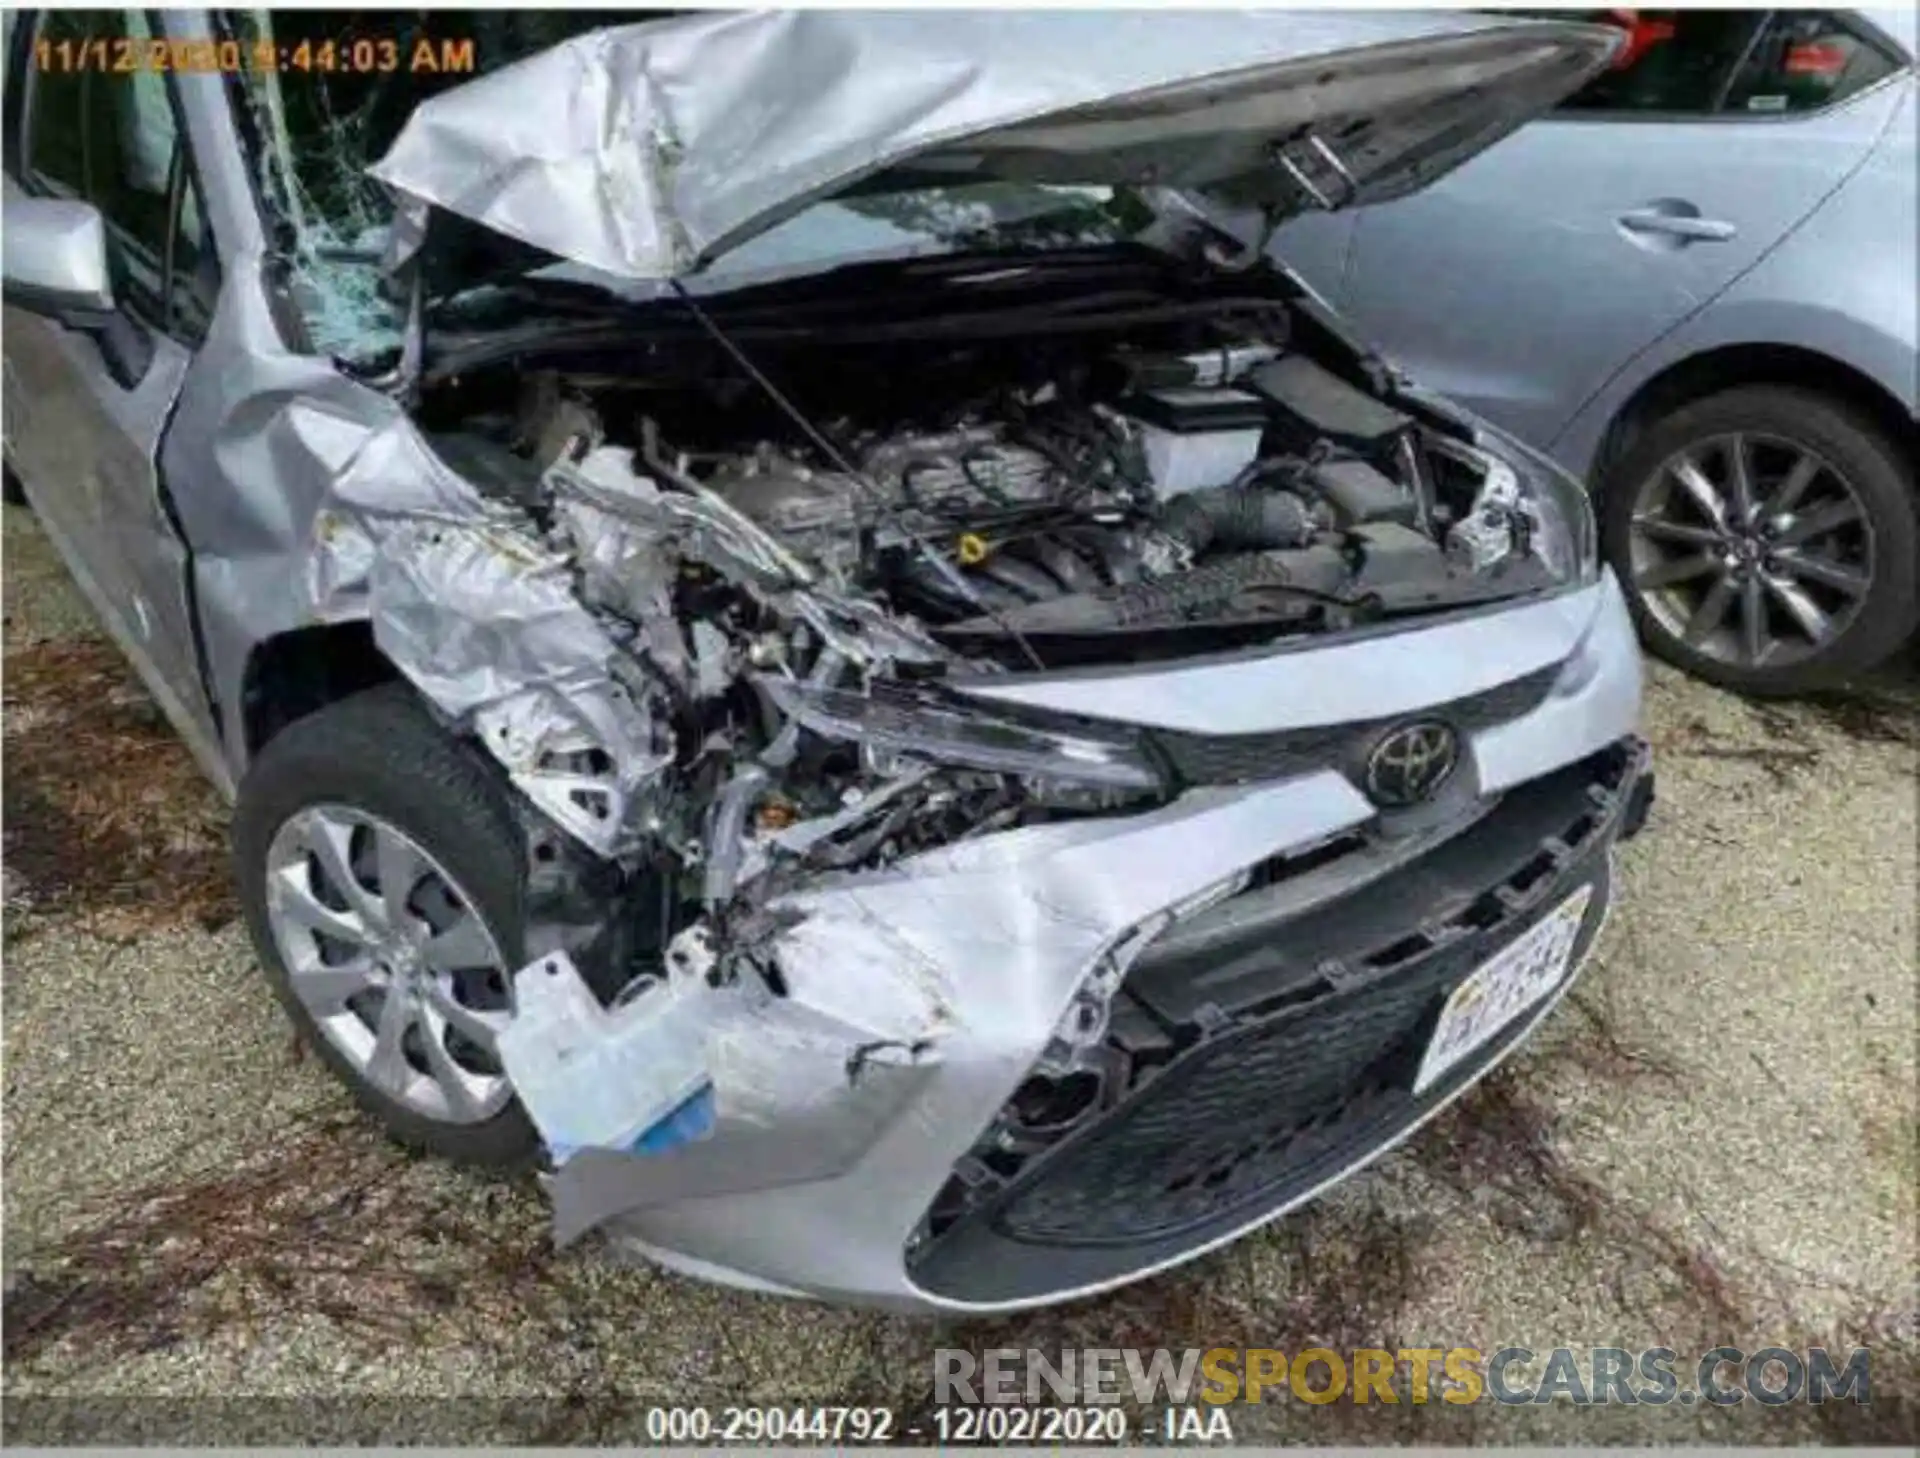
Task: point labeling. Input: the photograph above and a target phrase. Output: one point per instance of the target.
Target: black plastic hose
(1238, 518)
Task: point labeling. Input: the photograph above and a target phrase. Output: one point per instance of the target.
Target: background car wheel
(1766, 539)
(381, 873)
(10, 489)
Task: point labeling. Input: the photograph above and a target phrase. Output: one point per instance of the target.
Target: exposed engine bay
(1117, 505)
(1082, 521)
(799, 536)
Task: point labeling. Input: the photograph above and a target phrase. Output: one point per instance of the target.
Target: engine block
(923, 478)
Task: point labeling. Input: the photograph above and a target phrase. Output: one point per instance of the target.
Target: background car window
(110, 137)
(1673, 62)
(1804, 60)
(56, 126)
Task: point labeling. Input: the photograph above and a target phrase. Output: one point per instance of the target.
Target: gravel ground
(1712, 1142)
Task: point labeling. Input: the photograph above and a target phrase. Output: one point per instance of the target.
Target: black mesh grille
(1266, 1102)
(1218, 1129)
(1232, 759)
(1291, 1060)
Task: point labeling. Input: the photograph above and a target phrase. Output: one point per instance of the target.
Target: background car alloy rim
(393, 961)
(1750, 549)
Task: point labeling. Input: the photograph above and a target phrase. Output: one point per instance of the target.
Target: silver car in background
(1693, 284)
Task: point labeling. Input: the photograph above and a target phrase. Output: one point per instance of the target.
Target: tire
(10, 489)
(380, 753)
(1781, 419)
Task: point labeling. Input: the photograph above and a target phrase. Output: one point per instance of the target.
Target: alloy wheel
(392, 960)
(1750, 549)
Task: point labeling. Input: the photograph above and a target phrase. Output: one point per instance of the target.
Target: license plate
(1503, 987)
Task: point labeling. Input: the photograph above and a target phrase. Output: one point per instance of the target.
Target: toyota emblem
(1411, 763)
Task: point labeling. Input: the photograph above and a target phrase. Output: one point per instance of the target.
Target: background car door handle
(1678, 225)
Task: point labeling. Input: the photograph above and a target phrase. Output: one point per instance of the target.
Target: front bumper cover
(949, 977)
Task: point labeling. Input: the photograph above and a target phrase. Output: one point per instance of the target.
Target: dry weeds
(107, 817)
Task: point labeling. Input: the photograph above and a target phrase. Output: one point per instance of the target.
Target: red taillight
(1815, 58)
(1643, 34)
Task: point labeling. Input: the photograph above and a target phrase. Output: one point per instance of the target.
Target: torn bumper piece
(916, 1001)
(633, 1078)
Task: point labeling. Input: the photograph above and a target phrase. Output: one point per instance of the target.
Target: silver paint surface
(648, 150)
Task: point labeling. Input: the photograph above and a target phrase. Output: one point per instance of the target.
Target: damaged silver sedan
(803, 627)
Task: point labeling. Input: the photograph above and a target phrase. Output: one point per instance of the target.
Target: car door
(1522, 281)
(84, 422)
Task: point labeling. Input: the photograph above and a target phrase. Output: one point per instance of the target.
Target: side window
(109, 135)
(1674, 62)
(56, 123)
(1804, 60)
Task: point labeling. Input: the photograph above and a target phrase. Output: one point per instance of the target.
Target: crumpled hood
(648, 150)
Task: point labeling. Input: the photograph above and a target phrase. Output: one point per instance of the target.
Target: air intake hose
(1238, 518)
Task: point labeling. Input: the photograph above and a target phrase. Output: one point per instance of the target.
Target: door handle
(1689, 228)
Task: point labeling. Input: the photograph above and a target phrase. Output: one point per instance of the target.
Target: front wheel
(1766, 539)
(381, 873)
